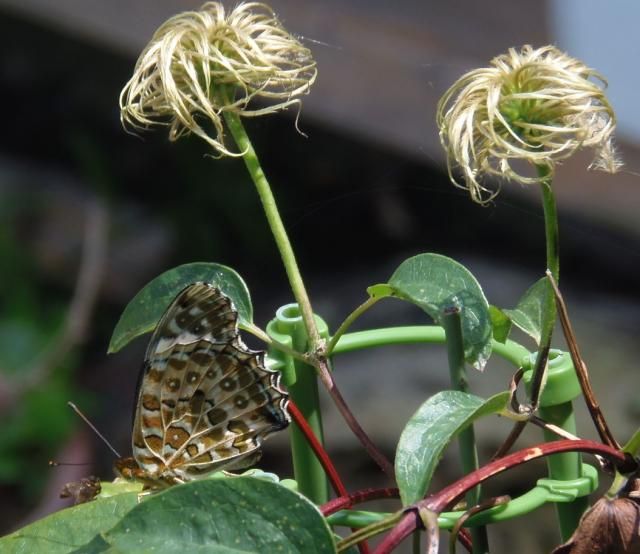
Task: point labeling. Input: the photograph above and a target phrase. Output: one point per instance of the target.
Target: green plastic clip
(288, 328)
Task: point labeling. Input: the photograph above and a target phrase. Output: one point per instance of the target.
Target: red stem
(439, 501)
(364, 495)
(323, 458)
(318, 449)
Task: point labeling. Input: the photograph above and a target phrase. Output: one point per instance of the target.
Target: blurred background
(89, 214)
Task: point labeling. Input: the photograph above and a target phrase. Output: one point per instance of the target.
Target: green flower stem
(466, 440)
(349, 321)
(550, 223)
(275, 223)
(565, 466)
(349, 342)
(553, 265)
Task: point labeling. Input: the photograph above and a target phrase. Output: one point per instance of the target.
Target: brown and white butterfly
(205, 401)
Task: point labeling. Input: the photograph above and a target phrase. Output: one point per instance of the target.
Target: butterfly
(205, 401)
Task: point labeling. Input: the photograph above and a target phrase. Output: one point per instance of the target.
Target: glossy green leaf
(436, 423)
(145, 310)
(501, 324)
(236, 515)
(528, 314)
(436, 283)
(69, 529)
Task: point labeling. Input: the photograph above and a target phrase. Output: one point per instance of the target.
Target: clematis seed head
(536, 105)
(200, 64)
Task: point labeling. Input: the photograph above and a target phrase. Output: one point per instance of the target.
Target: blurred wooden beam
(382, 67)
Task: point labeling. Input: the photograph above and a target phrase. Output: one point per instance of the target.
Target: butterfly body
(205, 401)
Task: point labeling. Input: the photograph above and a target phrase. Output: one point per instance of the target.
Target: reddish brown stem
(350, 499)
(597, 416)
(378, 457)
(318, 449)
(323, 458)
(439, 501)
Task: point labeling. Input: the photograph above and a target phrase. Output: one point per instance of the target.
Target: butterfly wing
(206, 402)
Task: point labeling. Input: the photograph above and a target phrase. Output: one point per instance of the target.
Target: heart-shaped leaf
(501, 324)
(436, 283)
(230, 516)
(69, 529)
(528, 314)
(146, 308)
(423, 440)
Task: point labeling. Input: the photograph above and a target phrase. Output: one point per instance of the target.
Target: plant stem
(553, 265)
(349, 321)
(274, 344)
(447, 496)
(378, 457)
(606, 435)
(318, 449)
(275, 223)
(466, 440)
(550, 224)
(564, 466)
(357, 497)
(369, 531)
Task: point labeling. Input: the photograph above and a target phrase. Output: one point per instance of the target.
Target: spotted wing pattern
(206, 401)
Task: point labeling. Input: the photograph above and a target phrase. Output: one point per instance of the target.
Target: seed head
(538, 105)
(200, 64)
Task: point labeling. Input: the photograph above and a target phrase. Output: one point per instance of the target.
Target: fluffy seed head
(537, 105)
(199, 64)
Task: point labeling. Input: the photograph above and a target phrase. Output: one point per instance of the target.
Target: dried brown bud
(611, 526)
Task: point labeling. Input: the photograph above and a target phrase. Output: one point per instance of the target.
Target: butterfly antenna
(53, 463)
(93, 428)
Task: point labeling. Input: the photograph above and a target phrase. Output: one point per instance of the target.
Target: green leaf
(145, 310)
(236, 515)
(380, 291)
(435, 283)
(528, 314)
(501, 324)
(68, 529)
(430, 430)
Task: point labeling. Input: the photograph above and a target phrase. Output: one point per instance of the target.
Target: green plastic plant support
(561, 388)
(300, 379)
(545, 491)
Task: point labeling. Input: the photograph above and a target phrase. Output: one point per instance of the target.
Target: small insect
(82, 491)
(205, 401)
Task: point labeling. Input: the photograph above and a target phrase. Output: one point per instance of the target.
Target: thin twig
(485, 505)
(597, 416)
(378, 457)
(513, 436)
(518, 410)
(84, 298)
